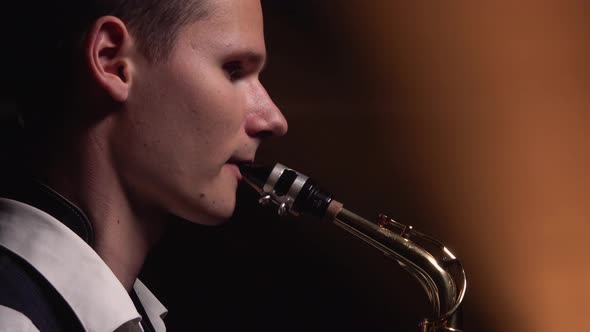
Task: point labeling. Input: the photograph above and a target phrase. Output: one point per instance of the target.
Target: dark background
(467, 119)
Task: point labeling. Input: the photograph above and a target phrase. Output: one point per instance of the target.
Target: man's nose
(265, 119)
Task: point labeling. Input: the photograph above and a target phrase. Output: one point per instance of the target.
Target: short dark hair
(155, 23)
(42, 45)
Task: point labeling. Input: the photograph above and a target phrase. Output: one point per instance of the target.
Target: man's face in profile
(192, 117)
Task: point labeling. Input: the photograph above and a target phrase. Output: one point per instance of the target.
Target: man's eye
(233, 70)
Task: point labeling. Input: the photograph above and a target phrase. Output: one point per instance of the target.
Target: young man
(147, 109)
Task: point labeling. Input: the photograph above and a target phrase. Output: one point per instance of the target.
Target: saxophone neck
(431, 263)
(439, 272)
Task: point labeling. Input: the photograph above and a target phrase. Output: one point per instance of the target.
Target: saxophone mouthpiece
(291, 191)
(255, 175)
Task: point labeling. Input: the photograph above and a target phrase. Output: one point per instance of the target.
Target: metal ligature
(439, 272)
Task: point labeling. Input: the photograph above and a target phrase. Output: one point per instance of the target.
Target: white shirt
(75, 270)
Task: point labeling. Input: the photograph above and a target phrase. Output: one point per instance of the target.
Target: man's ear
(108, 55)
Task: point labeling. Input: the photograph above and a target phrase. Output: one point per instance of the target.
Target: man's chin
(210, 218)
(213, 209)
(212, 221)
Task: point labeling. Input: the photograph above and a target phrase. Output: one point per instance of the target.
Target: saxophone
(439, 272)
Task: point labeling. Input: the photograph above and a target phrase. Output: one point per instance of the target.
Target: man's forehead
(234, 26)
(243, 12)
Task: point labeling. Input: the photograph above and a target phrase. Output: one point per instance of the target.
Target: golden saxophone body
(429, 261)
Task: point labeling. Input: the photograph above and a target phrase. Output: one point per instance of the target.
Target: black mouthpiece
(287, 188)
(255, 175)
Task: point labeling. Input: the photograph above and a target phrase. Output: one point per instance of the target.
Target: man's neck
(125, 230)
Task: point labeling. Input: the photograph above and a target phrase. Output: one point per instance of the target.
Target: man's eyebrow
(250, 56)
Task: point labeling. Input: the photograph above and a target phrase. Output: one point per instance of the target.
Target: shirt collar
(35, 193)
(66, 260)
(154, 309)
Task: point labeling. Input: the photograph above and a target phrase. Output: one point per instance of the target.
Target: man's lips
(236, 169)
(235, 164)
